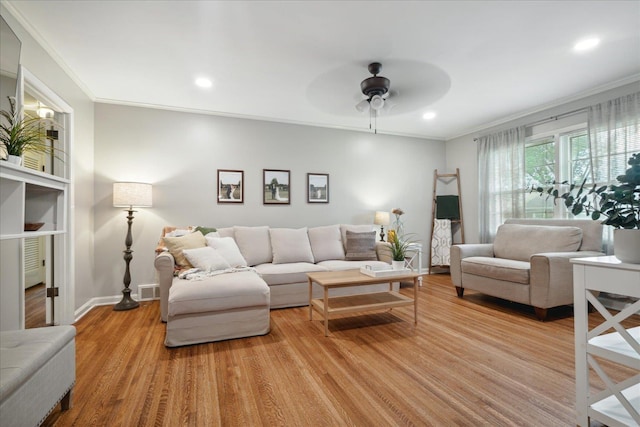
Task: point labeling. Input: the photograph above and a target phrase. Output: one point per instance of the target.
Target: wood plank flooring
(477, 361)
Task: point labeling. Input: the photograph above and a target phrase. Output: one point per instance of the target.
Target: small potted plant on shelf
(19, 134)
(619, 204)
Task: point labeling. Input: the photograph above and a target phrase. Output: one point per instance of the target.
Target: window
(560, 156)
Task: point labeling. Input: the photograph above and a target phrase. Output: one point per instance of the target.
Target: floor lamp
(129, 195)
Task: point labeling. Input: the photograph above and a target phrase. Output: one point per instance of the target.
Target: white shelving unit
(619, 403)
(28, 196)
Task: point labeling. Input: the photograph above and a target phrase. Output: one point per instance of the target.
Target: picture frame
(276, 187)
(317, 188)
(230, 186)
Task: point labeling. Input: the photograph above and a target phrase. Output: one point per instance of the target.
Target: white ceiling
(472, 62)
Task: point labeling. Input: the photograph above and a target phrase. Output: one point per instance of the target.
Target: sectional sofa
(221, 284)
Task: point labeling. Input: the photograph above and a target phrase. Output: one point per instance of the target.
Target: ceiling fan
(376, 90)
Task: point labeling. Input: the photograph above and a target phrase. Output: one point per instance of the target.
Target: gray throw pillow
(361, 246)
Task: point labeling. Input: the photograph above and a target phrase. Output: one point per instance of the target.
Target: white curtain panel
(614, 134)
(501, 186)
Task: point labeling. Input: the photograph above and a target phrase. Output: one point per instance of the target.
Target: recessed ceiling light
(203, 82)
(429, 115)
(586, 44)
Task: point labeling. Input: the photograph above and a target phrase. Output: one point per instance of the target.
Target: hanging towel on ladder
(441, 242)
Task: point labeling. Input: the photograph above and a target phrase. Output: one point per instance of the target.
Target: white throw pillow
(326, 243)
(254, 244)
(290, 245)
(227, 247)
(206, 258)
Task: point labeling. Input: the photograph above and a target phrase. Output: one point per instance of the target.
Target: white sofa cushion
(226, 232)
(228, 249)
(519, 242)
(206, 258)
(282, 274)
(254, 244)
(290, 245)
(218, 293)
(326, 243)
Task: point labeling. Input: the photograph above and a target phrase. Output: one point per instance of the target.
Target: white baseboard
(112, 300)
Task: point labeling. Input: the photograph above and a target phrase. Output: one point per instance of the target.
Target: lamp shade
(381, 218)
(130, 194)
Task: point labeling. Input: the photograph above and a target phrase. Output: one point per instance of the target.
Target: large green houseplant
(19, 134)
(617, 205)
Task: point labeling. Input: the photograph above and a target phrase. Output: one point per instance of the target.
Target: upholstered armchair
(528, 262)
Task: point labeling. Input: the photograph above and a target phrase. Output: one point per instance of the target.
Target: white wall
(462, 151)
(179, 153)
(38, 61)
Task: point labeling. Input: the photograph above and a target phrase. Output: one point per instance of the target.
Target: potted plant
(399, 245)
(619, 204)
(18, 134)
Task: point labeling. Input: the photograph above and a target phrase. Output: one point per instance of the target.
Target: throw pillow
(206, 259)
(177, 244)
(326, 243)
(361, 246)
(205, 230)
(290, 245)
(227, 247)
(354, 228)
(254, 244)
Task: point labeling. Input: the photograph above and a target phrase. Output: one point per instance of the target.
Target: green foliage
(619, 204)
(18, 135)
(399, 247)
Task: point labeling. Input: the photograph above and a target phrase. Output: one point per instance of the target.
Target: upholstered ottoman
(221, 307)
(37, 370)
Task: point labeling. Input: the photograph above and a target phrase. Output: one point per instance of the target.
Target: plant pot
(397, 265)
(16, 160)
(626, 245)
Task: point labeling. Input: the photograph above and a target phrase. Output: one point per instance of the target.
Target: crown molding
(42, 41)
(553, 104)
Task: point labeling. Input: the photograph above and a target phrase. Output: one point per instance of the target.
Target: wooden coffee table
(332, 306)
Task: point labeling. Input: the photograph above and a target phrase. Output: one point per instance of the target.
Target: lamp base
(127, 303)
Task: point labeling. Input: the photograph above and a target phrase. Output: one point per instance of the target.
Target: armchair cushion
(497, 268)
(520, 242)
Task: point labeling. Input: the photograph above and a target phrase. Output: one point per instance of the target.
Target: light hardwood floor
(477, 361)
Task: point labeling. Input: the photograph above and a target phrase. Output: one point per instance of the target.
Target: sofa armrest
(164, 264)
(552, 277)
(460, 252)
(383, 250)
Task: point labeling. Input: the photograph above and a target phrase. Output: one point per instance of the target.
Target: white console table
(619, 403)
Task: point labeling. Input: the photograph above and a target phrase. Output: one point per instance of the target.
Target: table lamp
(381, 219)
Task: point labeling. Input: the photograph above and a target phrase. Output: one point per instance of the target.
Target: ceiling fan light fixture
(363, 106)
(377, 102)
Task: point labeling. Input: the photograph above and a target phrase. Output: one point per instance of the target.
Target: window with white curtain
(509, 163)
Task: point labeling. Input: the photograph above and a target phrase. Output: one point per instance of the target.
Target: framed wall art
(230, 186)
(318, 188)
(276, 187)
